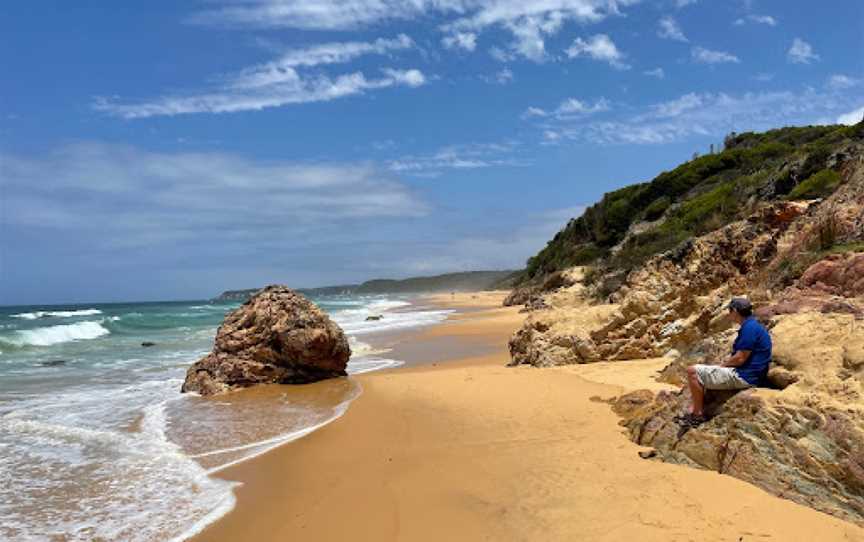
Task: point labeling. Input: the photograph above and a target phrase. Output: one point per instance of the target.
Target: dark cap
(740, 305)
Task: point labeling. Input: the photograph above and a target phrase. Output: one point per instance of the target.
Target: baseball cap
(739, 304)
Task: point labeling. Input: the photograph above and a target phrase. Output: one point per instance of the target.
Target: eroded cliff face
(670, 302)
(802, 264)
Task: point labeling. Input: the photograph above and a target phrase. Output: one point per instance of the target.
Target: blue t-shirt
(753, 337)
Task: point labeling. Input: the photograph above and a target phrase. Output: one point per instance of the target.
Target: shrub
(698, 196)
(657, 208)
(818, 185)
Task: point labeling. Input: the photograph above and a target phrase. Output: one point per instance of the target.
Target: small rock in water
(148, 343)
(373, 318)
(53, 363)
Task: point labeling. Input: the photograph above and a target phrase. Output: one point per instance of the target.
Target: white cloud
(292, 88)
(501, 55)
(411, 78)
(528, 20)
(321, 15)
(683, 3)
(282, 70)
(278, 82)
(534, 112)
(669, 29)
(674, 108)
(572, 106)
(853, 117)
(707, 56)
(706, 114)
(599, 47)
(841, 82)
(459, 157)
(551, 135)
(756, 19)
(152, 198)
(569, 108)
(801, 52)
(460, 40)
(656, 72)
(504, 76)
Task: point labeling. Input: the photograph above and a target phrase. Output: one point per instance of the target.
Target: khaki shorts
(715, 377)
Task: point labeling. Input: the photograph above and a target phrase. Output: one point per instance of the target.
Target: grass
(818, 185)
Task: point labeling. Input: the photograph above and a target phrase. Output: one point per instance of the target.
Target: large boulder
(278, 336)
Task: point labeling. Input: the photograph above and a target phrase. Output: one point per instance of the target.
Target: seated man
(747, 367)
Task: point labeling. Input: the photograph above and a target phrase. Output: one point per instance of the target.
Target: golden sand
(472, 450)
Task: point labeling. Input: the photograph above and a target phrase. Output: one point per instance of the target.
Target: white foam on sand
(386, 315)
(78, 482)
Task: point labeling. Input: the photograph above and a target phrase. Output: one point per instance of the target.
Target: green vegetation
(847, 247)
(698, 196)
(466, 281)
(818, 185)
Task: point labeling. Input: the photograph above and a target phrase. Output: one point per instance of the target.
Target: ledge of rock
(278, 336)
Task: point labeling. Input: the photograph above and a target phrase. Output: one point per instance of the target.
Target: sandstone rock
(838, 274)
(278, 336)
(518, 296)
(803, 442)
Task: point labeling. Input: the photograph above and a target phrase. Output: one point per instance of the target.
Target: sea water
(98, 443)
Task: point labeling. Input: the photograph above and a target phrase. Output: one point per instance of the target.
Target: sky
(172, 150)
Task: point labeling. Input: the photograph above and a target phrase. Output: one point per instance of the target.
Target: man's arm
(737, 359)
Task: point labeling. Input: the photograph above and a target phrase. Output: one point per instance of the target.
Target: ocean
(98, 443)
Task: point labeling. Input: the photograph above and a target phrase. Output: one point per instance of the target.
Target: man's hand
(737, 359)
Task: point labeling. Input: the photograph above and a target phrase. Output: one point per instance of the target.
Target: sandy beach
(460, 447)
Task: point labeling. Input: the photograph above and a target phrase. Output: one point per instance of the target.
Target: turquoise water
(97, 443)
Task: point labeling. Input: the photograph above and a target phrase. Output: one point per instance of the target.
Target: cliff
(787, 230)
(630, 225)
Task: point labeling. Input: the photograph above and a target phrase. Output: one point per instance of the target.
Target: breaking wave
(47, 336)
(56, 314)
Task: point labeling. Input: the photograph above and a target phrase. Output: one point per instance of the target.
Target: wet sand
(464, 448)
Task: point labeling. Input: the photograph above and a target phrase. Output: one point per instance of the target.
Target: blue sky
(170, 150)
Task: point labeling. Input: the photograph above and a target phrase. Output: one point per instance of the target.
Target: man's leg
(697, 392)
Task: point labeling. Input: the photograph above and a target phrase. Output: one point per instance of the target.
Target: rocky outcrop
(804, 442)
(802, 265)
(838, 274)
(278, 336)
(671, 301)
(519, 296)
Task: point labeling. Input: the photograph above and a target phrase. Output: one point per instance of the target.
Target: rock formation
(804, 442)
(278, 336)
(673, 299)
(802, 263)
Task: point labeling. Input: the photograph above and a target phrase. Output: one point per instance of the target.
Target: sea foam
(46, 336)
(56, 314)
